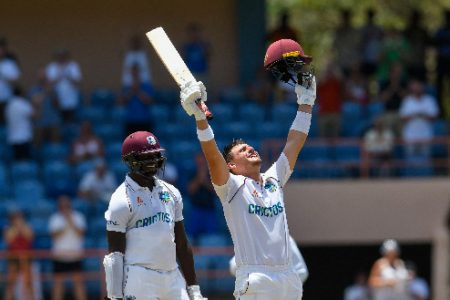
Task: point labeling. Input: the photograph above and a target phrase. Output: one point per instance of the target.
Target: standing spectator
(197, 52)
(372, 37)
(392, 92)
(418, 39)
(388, 277)
(67, 229)
(65, 76)
(417, 286)
(135, 56)
(87, 146)
(203, 199)
(359, 290)
(9, 74)
(137, 98)
(394, 49)
(442, 44)
(356, 87)
(379, 144)
(48, 120)
(329, 93)
(19, 115)
(347, 43)
(417, 111)
(18, 237)
(284, 29)
(97, 184)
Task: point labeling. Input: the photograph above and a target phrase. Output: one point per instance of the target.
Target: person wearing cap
(389, 276)
(253, 201)
(145, 231)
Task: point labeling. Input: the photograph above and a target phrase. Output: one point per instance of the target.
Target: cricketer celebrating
(252, 201)
(145, 231)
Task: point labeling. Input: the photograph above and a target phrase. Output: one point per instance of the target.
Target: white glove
(306, 95)
(191, 92)
(194, 293)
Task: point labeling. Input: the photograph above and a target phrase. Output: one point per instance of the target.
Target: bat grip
(200, 104)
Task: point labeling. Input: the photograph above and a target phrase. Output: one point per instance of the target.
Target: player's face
(245, 157)
(151, 163)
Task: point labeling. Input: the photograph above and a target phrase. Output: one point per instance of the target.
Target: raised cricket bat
(173, 62)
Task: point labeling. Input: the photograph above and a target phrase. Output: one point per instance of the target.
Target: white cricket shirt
(148, 219)
(256, 217)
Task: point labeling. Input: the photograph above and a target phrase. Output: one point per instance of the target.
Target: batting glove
(306, 95)
(194, 293)
(190, 93)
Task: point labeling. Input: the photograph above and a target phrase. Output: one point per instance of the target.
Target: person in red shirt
(18, 237)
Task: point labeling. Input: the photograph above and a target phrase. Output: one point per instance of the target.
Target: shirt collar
(136, 187)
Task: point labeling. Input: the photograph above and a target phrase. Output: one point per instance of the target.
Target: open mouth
(254, 154)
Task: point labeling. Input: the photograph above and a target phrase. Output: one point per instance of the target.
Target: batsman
(253, 202)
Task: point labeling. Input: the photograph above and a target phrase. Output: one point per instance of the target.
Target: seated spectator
(203, 199)
(417, 286)
(97, 184)
(137, 98)
(18, 237)
(135, 57)
(67, 228)
(87, 146)
(329, 93)
(359, 290)
(65, 76)
(356, 86)
(19, 123)
(48, 120)
(417, 112)
(392, 91)
(379, 144)
(9, 74)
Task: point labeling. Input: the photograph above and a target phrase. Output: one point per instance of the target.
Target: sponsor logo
(165, 197)
(256, 194)
(111, 222)
(140, 201)
(270, 186)
(158, 217)
(262, 211)
(151, 140)
(290, 54)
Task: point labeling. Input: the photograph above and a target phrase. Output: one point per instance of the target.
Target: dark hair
(226, 153)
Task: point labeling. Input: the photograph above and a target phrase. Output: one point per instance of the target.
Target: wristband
(205, 134)
(302, 122)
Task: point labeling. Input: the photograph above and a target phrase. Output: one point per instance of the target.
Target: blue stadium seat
(160, 113)
(6, 152)
(167, 96)
(232, 95)
(113, 151)
(440, 128)
(119, 168)
(93, 114)
(104, 98)
(223, 112)
(109, 132)
(314, 152)
(28, 191)
(92, 264)
(252, 112)
(40, 226)
(184, 149)
(352, 114)
(42, 209)
(421, 169)
(43, 242)
(347, 153)
(213, 240)
(237, 129)
(270, 129)
(54, 151)
(375, 109)
(118, 114)
(24, 170)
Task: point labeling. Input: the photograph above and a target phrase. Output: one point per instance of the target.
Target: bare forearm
(186, 260)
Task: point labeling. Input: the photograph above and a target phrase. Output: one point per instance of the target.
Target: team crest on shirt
(130, 297)
(165, 197)
(270, 186)
(151, 140)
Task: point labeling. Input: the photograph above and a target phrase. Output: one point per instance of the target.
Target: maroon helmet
(282, 49)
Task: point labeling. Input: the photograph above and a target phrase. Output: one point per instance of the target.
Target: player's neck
(144, 181)
(256, 176)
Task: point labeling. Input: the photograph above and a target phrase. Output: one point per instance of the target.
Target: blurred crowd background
(382, 112)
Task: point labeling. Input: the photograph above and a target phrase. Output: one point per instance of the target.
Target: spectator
(202, 196)
(346, 43)
(136, 99)
(417, 287)
(67, 229)
(9, 74)
(197, 52)
(417, 112)
(359, 290)
(418, 39)
(135, 56)
(329, 93)
(48, 120)
(18, 237)
(394, 49)
(97, 184)
(379, 144)
(392, 91)
(371, 41)
(356, 88)
(87, 146)
(65, 76)
(19, 115)
(388, 277)
(442, 44)
(284, 29)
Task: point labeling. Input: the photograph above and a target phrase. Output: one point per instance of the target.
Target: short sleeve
(226, 191)
(80, 221)
(280, 170)
(117, 215)
(178, 206)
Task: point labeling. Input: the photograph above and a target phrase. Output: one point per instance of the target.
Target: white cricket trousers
(146, 284)
(267, 283)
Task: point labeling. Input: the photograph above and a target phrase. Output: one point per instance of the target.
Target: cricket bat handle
(200, 104)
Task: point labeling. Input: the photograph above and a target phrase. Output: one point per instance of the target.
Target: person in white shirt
(145, 231)
(9, 73)
(135, 56)
(417, 112)
(253, 201)
(65, 75)
(97, 184)
(67, 228)
(19, 114)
